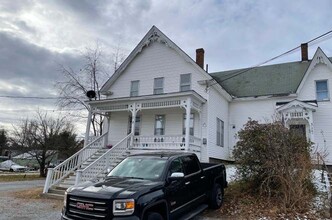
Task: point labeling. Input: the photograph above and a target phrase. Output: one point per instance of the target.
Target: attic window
(322, 92)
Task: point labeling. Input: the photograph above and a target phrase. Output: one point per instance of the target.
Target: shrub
(276, 162)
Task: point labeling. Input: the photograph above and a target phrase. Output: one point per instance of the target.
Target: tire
(217, 196)
(153, 216)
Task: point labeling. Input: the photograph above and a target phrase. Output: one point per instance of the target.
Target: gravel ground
(12, 208)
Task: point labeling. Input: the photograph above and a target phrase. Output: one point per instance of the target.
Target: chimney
(200, 57)
(304, 52)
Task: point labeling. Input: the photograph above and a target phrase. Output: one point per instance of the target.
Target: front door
(298, 129)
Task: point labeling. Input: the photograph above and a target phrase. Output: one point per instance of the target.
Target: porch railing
(163, 142)
(101, 164)
(58, 173)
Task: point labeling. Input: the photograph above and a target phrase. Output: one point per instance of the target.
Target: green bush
(276, 162)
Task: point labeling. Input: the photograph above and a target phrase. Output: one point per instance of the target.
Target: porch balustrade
(163, 142)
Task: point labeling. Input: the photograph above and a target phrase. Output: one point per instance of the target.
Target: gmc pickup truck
(150, 186)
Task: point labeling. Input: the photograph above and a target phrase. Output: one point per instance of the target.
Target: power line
(324, 36)
(26, 97)
(32, 110)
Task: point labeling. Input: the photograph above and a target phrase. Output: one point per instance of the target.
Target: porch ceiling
(167, 100)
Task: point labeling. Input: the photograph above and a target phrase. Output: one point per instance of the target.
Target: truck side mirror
(176, 176)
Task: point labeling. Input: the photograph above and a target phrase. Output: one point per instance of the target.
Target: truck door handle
(202, 177)
(187, 183)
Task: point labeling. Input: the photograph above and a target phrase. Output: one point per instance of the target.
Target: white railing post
(78, 176)
(48, 179)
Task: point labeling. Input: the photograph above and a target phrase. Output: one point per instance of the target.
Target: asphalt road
(19, 185)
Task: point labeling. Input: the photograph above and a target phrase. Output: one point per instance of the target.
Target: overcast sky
(36, 36)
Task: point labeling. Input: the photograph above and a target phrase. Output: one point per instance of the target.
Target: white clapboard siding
(323, 115)
(217, 107)
(263, 111)
(156, 60)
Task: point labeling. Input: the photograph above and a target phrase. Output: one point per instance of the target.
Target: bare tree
(3, 141)
(72, 90)
(43, 137)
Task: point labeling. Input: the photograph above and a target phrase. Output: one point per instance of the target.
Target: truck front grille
(87, 208)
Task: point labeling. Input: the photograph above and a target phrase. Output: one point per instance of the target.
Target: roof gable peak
(318, 58)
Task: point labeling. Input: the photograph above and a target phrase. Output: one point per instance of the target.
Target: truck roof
(162, 154)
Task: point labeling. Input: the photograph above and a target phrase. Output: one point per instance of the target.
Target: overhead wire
(321, 38)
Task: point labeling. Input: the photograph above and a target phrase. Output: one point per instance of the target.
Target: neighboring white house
(161, 99)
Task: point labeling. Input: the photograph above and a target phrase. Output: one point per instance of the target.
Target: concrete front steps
(58, 191)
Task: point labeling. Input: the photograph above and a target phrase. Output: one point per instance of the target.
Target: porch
(158, 122)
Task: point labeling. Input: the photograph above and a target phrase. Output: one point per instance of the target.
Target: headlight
(123, 207)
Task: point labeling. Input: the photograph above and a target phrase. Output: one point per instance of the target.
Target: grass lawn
(10, 177)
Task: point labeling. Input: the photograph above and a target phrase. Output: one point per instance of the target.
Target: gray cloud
(35, 35)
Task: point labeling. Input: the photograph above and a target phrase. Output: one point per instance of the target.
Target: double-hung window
(185, 82)
(220, 133)
(134, 88)
(322, 91)
(158, 87)
(191, 124)
(137, 125)
(159, 126)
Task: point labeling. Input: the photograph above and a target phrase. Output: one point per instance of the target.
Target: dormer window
(185, 82)
(158, 87)
(322, 92)
(134, 88)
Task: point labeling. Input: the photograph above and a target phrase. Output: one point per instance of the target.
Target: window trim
(131, 87)
(327, 91)
(222, 133)
(156, 88)
(155, 125)
(185, 84)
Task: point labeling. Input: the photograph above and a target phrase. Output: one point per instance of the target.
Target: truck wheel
(154, 216)
(217, 196)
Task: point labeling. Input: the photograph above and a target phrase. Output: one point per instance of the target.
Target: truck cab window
(175, 167)
(190, 165)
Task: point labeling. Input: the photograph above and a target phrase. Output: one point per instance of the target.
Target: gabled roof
(276, 80)
(153, 35)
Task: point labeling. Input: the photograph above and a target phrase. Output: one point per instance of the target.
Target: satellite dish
(91, 94)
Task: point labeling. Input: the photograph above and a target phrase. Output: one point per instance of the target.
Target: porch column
(87, 131)
(108, 120)
(133, 121)
(188, 108)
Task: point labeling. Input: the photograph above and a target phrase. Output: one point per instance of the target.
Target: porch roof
(307, 104)
(148, 101)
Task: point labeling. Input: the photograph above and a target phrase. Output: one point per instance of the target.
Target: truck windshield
(139, 167)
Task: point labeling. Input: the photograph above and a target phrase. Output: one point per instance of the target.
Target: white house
(161, 99)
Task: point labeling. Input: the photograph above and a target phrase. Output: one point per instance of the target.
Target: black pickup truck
(150, 186)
